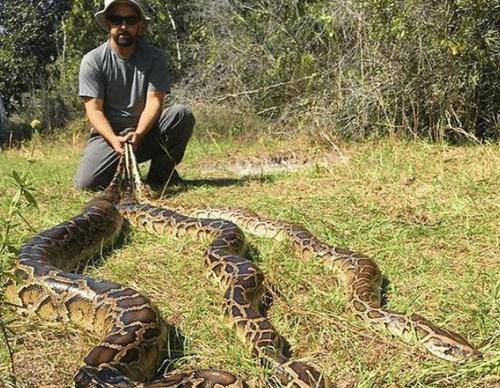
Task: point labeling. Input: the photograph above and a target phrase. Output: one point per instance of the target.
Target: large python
(243, 286)
(362, 279)
(240, 278)
(133, 332)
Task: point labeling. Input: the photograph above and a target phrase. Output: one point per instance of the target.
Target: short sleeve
(158, 77)
(90, 79)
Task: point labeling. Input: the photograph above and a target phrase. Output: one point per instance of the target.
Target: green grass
(427, 213)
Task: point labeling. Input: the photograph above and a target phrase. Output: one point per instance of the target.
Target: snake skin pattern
(243, 285)
(132, 330)
(362, 279)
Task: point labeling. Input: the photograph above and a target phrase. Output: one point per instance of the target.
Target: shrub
(359, 68)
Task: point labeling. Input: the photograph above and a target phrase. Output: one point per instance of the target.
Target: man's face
(125, 24)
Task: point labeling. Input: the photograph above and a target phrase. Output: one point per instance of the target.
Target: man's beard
(124, 39)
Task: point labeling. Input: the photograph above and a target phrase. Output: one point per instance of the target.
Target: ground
(427, 213)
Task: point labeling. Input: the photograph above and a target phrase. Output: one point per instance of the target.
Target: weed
(22, 198)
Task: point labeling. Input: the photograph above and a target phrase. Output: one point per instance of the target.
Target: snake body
(242, 282)
(362, 279)
(132, 329)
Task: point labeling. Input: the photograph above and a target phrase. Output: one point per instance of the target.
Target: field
(427, 213)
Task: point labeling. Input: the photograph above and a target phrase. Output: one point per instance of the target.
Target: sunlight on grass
(427, 213)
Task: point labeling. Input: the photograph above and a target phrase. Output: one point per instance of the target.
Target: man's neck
(123, 52)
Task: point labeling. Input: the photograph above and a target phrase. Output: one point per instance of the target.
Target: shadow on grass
(221, 182)
(174, 351)
(188, 184)
(383, 291)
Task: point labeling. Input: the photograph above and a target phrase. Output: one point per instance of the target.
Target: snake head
(444, 343)
(452, 347)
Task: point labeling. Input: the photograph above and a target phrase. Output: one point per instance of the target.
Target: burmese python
(243, 286)
(362, 279)
(133, 332)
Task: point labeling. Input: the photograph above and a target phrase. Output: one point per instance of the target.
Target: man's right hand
(118, 142)
(95, 113)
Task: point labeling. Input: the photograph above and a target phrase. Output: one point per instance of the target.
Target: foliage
(22, 199)
(359, 67)
(29, 41)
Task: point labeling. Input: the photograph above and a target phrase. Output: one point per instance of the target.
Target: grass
(427, 213)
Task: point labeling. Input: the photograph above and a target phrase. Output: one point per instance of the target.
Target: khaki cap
(100, 16)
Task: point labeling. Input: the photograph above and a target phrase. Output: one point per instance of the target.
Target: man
(123, 84)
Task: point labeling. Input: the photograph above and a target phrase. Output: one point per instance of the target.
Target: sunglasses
(118, 20)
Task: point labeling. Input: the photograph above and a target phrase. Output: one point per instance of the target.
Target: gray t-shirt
(123, 83)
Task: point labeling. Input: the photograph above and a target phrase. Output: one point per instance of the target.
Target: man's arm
(95, 113)
(149, 116)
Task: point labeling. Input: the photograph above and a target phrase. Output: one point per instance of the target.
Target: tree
(3, 121)
(29, 40)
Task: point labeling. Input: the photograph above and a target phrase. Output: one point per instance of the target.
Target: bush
(16, 131)
(359, 68)
(29, 41)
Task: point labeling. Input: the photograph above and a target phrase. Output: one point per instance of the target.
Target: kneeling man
(123, 84)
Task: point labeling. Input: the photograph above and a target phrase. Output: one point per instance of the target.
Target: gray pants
(164, 145)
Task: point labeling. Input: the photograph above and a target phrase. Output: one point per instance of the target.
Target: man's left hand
(136, 140)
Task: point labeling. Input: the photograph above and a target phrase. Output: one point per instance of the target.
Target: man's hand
(95, 113)
(118, 142)
(136, 139)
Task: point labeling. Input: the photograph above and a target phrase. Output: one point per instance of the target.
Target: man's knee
(85, 183)
(180, 119)
(184, 113)
(85, 180)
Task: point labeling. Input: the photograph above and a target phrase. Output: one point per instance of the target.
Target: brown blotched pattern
(243, 284)
(133, 332)
(362, 279)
